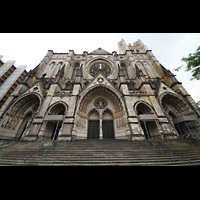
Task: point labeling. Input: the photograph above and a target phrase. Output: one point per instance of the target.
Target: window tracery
(100, 103)
(124, 71)
(75, 71)
(95, 68)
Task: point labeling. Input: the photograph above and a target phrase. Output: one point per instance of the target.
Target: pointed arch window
(60, 64)
(75, 71)
(52, 65)
(124, 70)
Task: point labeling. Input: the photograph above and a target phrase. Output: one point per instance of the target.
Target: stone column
(100, 127)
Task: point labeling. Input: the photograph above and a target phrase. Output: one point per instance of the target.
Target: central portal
(100, 125)
(100, 114)
(93, 129)
(108, 129)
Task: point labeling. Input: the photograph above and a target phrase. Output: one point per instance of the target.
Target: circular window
(95, 68)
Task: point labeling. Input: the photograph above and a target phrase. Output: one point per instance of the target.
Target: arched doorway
(58, 109)
(148, 120)
(55, 126)
(19, 117)
(93, 125)
(54, 120)
(104, 101)
(107, 125)
(180, 115)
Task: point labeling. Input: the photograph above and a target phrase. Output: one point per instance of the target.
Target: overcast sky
(30, 48)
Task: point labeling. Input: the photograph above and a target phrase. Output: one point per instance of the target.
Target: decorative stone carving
(131, 85)
(69, 85)
(100, 80)
(80, 121)
(100, 92)
(86, 82)
(10, 122)
(47, 82)
(100, 103)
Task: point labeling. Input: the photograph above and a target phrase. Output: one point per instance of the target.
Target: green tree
(193, 65)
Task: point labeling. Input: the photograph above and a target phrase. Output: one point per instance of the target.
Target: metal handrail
(43, 148)
(13, 142)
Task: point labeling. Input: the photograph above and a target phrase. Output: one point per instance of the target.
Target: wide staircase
(181, 152)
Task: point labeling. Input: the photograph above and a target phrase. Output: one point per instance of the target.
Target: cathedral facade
(100, 95)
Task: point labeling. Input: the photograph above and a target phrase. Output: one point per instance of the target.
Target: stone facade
(130, 94)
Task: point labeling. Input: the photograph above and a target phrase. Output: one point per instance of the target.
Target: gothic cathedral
(100, 95)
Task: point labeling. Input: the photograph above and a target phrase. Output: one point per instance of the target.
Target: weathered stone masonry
(100, 95)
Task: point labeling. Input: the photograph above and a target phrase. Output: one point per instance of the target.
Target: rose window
(95, 68)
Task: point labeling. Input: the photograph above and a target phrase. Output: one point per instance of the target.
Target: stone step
(84, 157)
(91, 162)
(101, 152)
(135, 152)
(70, 162)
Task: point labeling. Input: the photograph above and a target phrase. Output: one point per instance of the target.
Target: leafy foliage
(193, 64)
(198, 104)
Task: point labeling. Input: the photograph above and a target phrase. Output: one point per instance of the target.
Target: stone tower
(100, 95)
